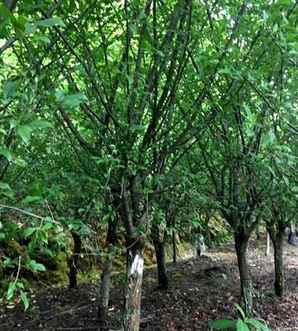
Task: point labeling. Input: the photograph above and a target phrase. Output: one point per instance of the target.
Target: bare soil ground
(201, 290)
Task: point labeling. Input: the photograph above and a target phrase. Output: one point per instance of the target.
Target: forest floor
(201, 290)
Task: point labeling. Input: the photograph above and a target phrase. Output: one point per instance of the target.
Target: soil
(201, 290)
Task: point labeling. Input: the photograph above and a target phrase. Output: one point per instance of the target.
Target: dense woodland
(130, 125)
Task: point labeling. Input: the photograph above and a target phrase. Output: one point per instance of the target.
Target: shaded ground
(201, 290)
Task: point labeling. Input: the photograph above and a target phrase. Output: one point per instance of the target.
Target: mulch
(201, 290)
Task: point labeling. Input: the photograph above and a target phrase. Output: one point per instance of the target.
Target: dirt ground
(201, 290)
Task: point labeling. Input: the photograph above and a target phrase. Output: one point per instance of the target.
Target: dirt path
(201, 290)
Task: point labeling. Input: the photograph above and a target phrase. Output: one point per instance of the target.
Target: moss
(59, 275)
(14, 249)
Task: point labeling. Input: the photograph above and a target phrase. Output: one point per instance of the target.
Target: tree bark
(74, 260)
(135, 267)
(278, 264)
(174, 247)
(159, 246)
(104, 292)
(105, 283)
(163, 282)
(241, 242)
(277, 239)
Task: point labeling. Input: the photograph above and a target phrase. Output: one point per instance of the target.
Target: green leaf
(25, 299)
(28, 232)
(10, 89)
(31, 199)
(30, 28)
(4, 11)
(73, 100)
(47, 226)
(20, 162)
(241, 326)
(43, 39)
(36, 266)
(24, 132)
(7, 262)
(10, 291)
(12, 123)
(50, 22)
(222, 324)
(5, 14)
(269, 138)
(261, 326)
(240, 310)
(6, 153)
(5, 186)
(40, 124)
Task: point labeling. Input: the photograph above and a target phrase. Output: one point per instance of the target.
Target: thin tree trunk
(293, 227)
(278, 264)
(277, 239)
(174, 247)
(159, 246)
(267, 244)
(105, 284)
(135, 267)
(241, 242)
(163, 281)
(104, 292)
(74, 260)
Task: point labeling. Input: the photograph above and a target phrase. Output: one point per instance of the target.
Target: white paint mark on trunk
(268, 244)
(137, 265)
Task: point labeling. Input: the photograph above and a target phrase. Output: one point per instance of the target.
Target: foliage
(177, 112)
(243, 323)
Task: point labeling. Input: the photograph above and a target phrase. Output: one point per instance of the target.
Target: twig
(26, 212)
(72, 310)
(50, 210)
(18, 272)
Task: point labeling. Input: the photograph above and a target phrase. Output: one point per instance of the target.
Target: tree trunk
(159, 246)
(104, 292)
(277, 239)
(241, 242)
(267, 244)
(163, 281)
(73, 262)
(278, 264)
(293, 227)
(105, 284)
(135, 267)
(174, 247)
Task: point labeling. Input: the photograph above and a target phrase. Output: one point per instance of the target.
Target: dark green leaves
(70, 101)
(31, 28)
(25, 131)
(6, 153)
